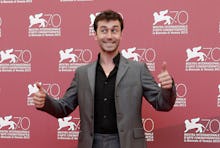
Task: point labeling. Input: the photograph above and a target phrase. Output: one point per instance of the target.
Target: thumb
(164, 66)
(39, 86)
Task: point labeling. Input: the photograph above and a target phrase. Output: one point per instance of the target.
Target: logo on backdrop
(52, 89)
(14, 127)
(218, 95)
(147, 55)
(170, 22)
(202, 130)
(15, 1)
(203, 59)
(68, 129)
(14, 60)
(41, 24)
(72, 58)
(92, 17)
(181, 91)
(148, 125)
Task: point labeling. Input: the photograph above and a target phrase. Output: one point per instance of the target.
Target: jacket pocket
(139, 133)
(83, 134)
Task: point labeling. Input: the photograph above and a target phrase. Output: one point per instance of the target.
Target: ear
(95, 36)
(121, 36)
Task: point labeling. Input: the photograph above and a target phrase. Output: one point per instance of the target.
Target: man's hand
(39, 97)
(164, 77)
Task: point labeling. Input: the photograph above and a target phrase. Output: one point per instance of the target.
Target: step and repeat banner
(45, 41)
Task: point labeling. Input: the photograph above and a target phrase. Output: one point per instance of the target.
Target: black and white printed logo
(68, 129)
(45, 25)
(52, 89)
(202, 130)
(15, 1)
(92, 17)
(203, 59)
(72, 58)
(15, 60)
(170, 22)
(181, 92)
(218, 97)
(146, 55)
(148, 125)
(15, 127)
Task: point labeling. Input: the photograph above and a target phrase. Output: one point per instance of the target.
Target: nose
(109, 35)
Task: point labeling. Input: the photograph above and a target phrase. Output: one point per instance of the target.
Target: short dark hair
(108, 15)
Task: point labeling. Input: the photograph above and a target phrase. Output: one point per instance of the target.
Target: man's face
(108, 35)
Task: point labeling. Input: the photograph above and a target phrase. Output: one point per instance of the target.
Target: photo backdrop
(45, 41)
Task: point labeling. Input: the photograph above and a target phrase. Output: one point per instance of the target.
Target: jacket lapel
(91, 77)
(123, 66)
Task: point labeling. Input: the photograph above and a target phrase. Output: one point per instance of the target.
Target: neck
(106, 58)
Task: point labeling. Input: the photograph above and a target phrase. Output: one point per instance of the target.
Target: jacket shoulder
(85, 67)
(132, 63)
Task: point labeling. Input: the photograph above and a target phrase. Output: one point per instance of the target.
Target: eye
(114, 30)
(103, 30)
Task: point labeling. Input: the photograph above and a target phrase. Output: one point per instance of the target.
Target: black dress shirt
(105, 121)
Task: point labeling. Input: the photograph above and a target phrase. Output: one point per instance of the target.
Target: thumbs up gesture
(39, 97)
(164, 77)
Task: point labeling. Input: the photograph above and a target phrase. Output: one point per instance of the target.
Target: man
(109, 93)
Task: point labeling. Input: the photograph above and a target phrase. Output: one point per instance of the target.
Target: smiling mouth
(109, 43)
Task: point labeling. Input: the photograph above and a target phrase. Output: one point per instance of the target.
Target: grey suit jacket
(133, 81)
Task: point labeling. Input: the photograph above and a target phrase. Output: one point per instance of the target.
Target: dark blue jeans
(106, 141)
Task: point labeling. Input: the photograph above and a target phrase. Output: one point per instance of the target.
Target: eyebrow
(115, 26)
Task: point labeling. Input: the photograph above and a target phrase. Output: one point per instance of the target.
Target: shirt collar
(116, 59)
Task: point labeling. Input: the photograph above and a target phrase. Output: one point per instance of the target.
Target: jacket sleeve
(160, 99)
(64, 106)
